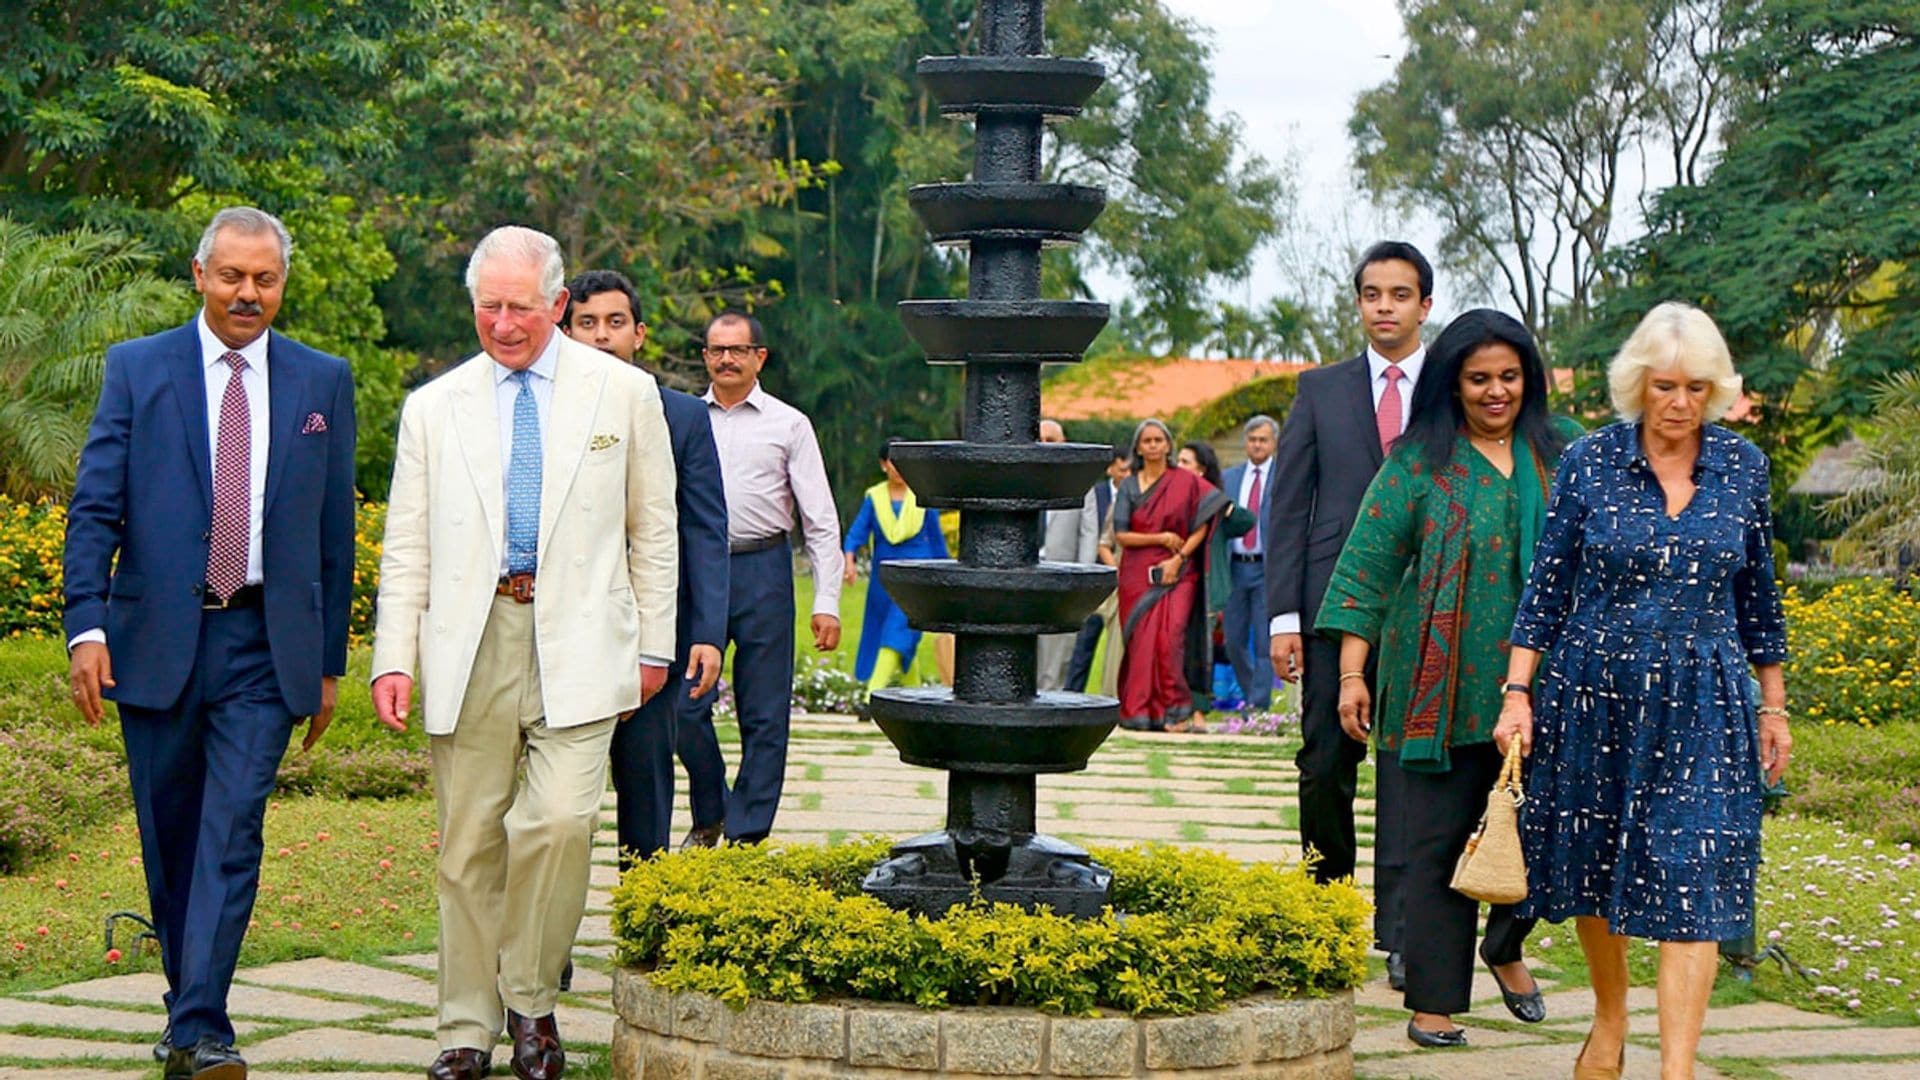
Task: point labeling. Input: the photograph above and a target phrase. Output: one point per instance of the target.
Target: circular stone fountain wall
(690, 1036)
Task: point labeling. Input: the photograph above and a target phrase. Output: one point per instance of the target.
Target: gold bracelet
(1345, 675)
(1774, 710)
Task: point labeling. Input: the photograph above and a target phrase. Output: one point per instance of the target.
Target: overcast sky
(1290, 70)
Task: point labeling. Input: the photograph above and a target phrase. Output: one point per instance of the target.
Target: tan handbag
(1492, 868)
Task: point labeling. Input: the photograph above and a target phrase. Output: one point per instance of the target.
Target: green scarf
(1442, 581)
(897, 526)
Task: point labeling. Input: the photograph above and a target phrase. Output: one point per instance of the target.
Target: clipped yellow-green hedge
(790, 924)
(32, 536)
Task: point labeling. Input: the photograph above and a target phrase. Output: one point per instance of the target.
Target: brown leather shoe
(537, 1054)
(462, 1063)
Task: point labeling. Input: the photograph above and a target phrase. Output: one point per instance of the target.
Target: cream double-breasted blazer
(608, 558)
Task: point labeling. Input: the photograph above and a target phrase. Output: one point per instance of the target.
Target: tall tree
(1804, 241)
(1516, 122)
(634, 131)
(114, 112)
(1187, 204)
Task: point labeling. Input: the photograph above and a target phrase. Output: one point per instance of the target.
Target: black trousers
(1444, 808)
(1329, 765)
(643, 768)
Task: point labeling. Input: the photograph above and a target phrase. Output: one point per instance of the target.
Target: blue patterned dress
(1643, 792)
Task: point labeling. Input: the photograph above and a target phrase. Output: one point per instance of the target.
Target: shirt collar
(543, 365)
(1377, 364)
(1718, 449)
(756, 397)
(212, 348)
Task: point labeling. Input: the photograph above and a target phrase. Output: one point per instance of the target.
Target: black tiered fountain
(992, 731)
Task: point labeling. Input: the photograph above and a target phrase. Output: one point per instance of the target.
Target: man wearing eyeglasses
(770, 463)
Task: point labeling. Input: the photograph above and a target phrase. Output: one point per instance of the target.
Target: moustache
(730, 369)
(245, 307)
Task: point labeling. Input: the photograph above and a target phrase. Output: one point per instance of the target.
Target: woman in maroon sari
(1161, 516)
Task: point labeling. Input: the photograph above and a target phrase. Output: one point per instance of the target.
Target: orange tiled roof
(1156, 387)
(1161, 386)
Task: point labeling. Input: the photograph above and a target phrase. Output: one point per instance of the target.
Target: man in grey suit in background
(1070, 536)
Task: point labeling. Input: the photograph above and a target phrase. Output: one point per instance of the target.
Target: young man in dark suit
(1343, 418)
(603, 311)
(210, 548)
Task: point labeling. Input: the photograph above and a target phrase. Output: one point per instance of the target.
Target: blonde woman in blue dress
(1651, 611)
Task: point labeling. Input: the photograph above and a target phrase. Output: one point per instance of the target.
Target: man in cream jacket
(529, 575)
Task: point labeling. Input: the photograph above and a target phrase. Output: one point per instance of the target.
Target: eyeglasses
(730, 352)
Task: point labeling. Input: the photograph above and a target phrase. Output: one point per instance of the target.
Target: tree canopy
(1804, 241)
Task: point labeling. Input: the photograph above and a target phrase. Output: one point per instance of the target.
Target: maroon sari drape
(1153, 682)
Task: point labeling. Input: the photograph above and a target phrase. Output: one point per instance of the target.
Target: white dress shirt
(505, 391)
(254, 378)
(1254, 542)
(771, 465)
(1288, 622)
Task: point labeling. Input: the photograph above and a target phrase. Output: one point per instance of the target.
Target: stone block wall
(685, 1036)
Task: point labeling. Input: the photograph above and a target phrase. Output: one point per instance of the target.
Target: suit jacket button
(208, 535)
(579, 560)
(456, 575)
(458, 519)
(197, 589)
(439, 628)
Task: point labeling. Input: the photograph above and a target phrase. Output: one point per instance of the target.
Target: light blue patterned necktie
(523, 480)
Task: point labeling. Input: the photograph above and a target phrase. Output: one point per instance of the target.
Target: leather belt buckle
(517, 586)
(247, 596)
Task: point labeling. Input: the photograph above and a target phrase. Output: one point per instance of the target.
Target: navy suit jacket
(140, 521)
(701, 499)
(1329, 450)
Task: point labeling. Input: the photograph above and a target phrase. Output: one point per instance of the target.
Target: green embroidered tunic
(1374, 591)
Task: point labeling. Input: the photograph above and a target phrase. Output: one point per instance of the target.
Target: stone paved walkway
(323, 1019)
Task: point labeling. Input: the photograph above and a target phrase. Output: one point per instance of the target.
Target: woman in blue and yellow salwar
(899, 529)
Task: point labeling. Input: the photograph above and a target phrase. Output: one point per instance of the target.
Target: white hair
(525, 245)
(248, 221)
(1262, 420)
(1673, 335)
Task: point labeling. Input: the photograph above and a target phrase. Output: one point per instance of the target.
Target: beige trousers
(518, 804)
(1109, 610)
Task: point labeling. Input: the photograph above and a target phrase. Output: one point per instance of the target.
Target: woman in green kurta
(1430, 576)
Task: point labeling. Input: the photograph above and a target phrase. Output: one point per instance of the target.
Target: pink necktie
(232, 487)
(1387, 416)
(1250, 542)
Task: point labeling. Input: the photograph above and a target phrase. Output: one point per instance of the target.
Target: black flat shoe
(1528, 1008)
(1434, 1040)
(1396, 971)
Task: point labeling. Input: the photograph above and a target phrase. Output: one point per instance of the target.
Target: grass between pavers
(1844, 906)
(347, 880)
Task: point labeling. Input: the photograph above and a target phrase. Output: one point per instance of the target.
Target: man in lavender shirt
(771, 465)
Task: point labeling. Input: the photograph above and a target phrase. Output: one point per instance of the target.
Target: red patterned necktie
(232, 487)
(1387, 416)
(1252, 539)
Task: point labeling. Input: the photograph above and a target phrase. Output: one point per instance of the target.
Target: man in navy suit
(210, 548)
(604, 311)
(1246, 614)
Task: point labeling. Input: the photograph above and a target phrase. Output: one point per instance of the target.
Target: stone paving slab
(145, 988)
(37, 1072)
(342, 1044)
(1504, 1063)
(15, 1012)
(1816, 1043)
(1851, 1070)
(44, 1048)
(339, 977)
